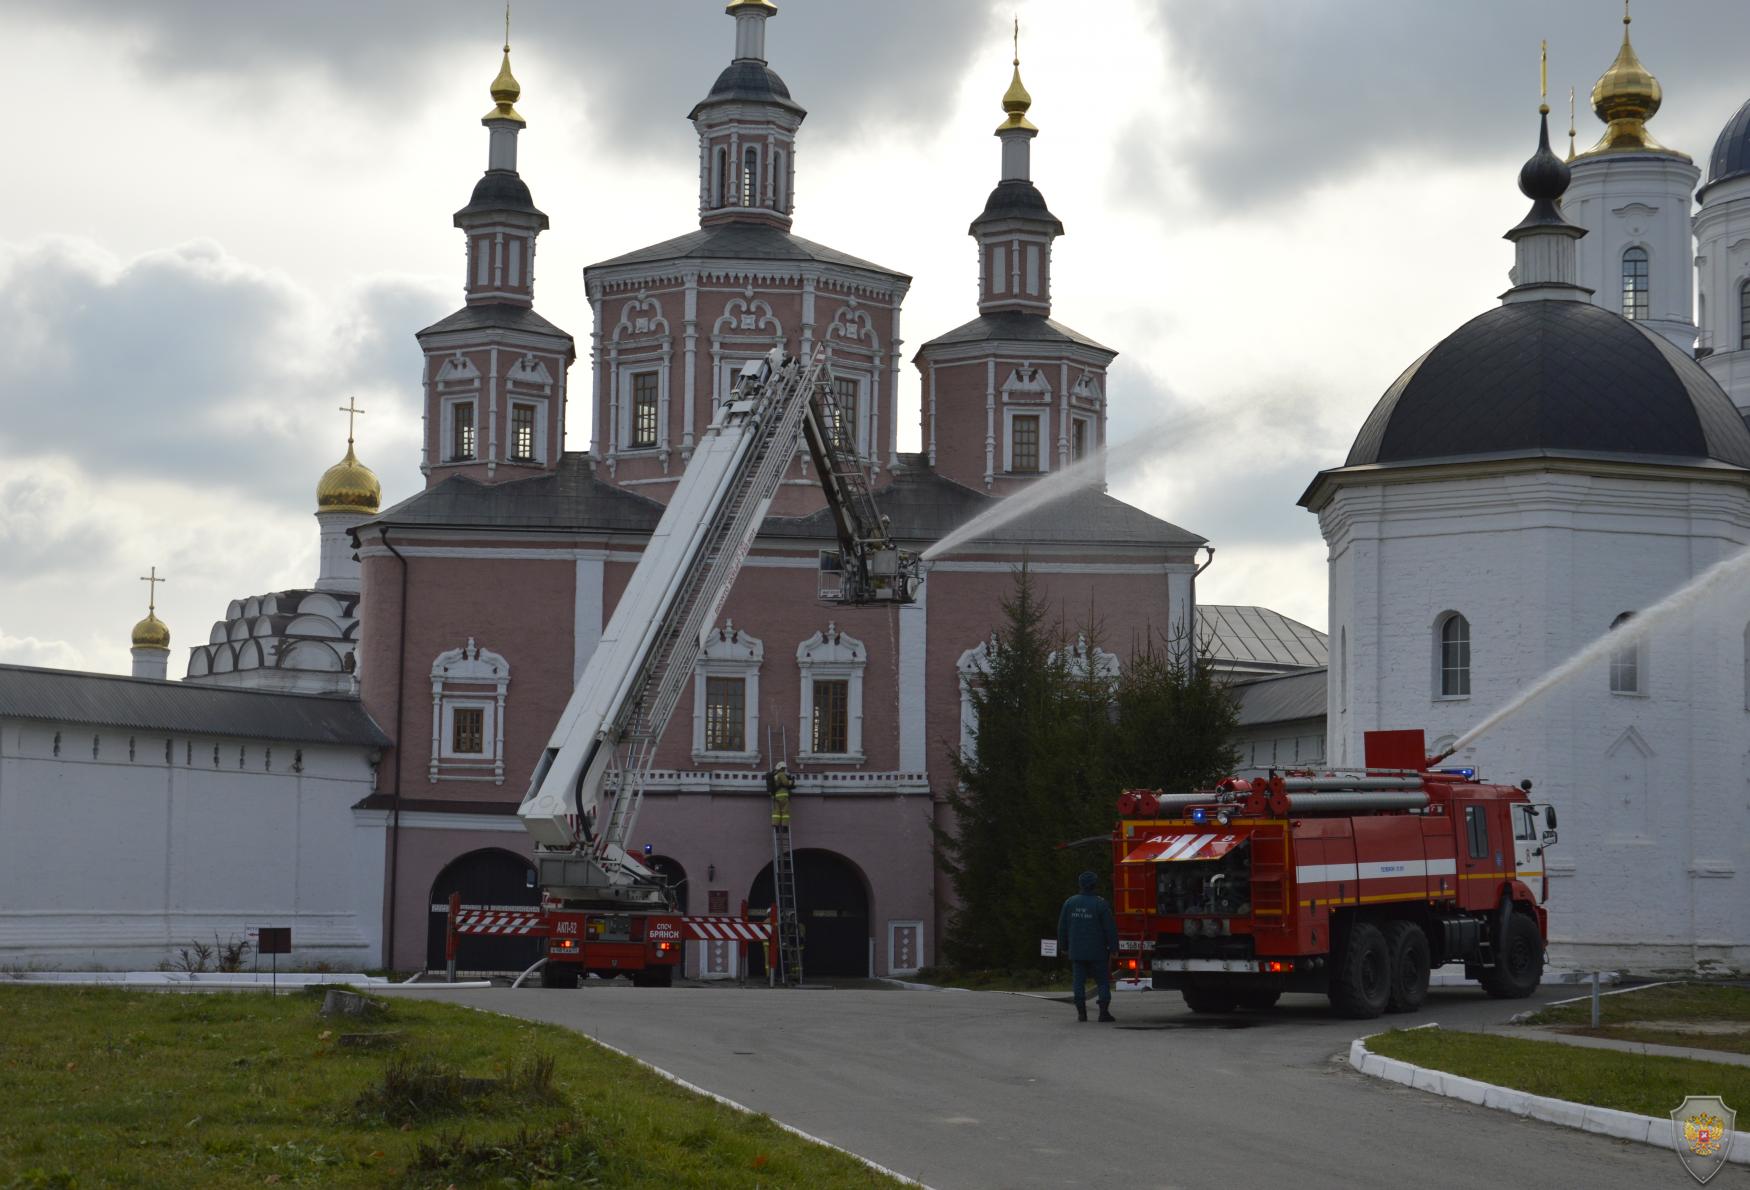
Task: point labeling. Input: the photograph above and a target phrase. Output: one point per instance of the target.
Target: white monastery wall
(113, 861)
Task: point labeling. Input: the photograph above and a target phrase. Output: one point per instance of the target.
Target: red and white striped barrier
(498, 922)
(726, 929)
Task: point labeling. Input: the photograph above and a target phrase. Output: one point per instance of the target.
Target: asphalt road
(962, 1090)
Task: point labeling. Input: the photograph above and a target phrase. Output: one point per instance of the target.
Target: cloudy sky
(225, 218)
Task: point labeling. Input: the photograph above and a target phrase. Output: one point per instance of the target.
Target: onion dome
(349, 486)
(1016, 101)
(1625, 97)
(1554, 379)
(1731, 155)
(1543, 179)
(151, 633)
(505, 92)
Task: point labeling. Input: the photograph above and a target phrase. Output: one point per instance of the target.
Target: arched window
(1634, 283)
(750, 177)
(1343, 668)
(780, 182)
(1625, 663)
(720, 177)
(1453, 678)
(1744, 315)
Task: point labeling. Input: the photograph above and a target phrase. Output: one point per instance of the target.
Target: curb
(1603, 1121)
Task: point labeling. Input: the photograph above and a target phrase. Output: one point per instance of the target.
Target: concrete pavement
(977, 1089)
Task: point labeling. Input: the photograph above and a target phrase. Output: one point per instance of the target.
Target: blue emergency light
(648, 849)
(1467, 774)
(1198, 814)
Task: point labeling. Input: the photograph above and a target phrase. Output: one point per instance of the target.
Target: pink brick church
(484, 595)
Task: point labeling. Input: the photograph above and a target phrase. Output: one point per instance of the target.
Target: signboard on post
(274, 940)
(1048, 948)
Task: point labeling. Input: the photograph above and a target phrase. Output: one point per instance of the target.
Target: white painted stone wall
(1626, 200)
(1722, 263)
(114, 862)
(1296, 744)
(1653, 791)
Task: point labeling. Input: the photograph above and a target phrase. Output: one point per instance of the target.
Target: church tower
(1631, 194)
(1012, 394)
(495, 370)
(150, 640)
(1722, 260)
(347, 495)
(675, 321)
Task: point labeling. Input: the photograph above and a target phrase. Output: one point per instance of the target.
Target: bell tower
(495, 370)
(747, 132)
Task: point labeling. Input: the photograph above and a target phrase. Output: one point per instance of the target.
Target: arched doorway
(675, 875)
(488, 878)
(834, 914)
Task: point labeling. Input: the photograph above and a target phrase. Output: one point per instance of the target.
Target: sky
(225, 219)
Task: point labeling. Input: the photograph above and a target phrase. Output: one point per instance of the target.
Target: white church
(1554, 466)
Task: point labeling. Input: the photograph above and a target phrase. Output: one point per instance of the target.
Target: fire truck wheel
(1361, 982)
(1208, 999)
(1258, 1001)
(1408, 947)
(555, 975)
(1520, 970)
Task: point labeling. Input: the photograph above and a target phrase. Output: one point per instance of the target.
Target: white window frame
(1043, 413)
(627, 412)
(468, 677)
(832, 655)
(859, 415)
(1440, 623)
(539, 405)
(448, 446)
(973, 668)
(729, 653)
(1638, 660)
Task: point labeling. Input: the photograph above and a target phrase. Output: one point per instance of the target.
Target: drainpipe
(395, 805)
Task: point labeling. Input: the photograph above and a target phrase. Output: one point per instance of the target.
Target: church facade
(485, 594)
(1537, 480)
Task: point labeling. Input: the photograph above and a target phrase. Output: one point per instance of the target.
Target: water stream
(1109, 461)
(1733, 568)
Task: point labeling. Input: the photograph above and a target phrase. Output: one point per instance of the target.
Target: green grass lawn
(1606, 1078)
(1626, 1016)
(112, 1087)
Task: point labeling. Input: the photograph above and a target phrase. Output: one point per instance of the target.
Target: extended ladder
(789, 968)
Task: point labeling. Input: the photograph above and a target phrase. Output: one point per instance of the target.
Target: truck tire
(1208, 999)
(1361, 980)
(558, 975)
(1519, 967)
(1408, 947)
(1258, 1001)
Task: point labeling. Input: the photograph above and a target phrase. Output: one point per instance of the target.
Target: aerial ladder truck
(603, 909)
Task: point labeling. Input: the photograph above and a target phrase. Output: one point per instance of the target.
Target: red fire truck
(1354, 885)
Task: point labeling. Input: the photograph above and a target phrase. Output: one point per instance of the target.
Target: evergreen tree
(1056, 742)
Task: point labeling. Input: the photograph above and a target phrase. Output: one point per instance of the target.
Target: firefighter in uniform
(780, 784)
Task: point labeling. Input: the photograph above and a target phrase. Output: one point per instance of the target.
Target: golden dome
(151, 633)
(1625, 97)
(348, 486)
(1016, 101)
(505, 91)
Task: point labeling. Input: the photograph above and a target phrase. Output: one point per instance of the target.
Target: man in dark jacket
(1087, 935)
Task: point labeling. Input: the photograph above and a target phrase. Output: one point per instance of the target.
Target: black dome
(1553, 376)
(1017, 199)
(501, 190)
(750, 80)
(1731, 157)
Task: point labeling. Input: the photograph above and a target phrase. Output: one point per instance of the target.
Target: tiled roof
(1246, 634)
(1528, 377)
(1282, 698)
(507, 315)
(570, 498)
(743, 241)
(1013, 327)
(143, 704)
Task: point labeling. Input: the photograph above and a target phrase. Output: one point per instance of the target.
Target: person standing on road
(1087, 934)
(780, 784)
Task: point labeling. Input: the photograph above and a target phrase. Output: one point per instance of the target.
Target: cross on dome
(351, 408)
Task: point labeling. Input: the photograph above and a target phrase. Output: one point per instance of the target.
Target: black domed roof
(501, 190)
(750, 80)
(1017, 199)
(1562, 377)
(1731, 156)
